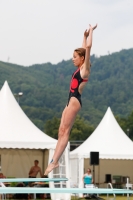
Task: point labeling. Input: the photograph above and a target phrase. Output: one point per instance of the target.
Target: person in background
(46, 185)
(2, 175)
(35, 170)
(2, 184)
(87, 178)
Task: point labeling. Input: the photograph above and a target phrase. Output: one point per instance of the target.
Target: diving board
(14, 190)
(32, 179)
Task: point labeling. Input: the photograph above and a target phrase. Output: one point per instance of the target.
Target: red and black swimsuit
(74, 86)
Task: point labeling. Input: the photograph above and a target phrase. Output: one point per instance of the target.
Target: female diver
(81, 59)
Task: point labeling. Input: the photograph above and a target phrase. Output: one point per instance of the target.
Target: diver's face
(77, 60)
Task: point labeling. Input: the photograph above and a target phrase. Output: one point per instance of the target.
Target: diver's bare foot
(50, 167)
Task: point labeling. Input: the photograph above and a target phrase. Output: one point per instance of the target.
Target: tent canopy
(108, 139)
(16, 129)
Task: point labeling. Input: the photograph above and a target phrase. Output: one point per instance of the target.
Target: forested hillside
(45, 87)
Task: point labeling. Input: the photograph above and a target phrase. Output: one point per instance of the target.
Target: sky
(41, 31)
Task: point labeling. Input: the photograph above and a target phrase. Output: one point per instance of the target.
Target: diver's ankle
(53, 162)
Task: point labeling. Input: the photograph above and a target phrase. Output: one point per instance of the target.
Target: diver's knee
(63, 131)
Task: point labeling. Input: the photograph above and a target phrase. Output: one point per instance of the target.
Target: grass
(104, 197)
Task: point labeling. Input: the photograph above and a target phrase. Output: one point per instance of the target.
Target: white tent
(18, 132)
(16, 129)
(115, 152)
(21, 142)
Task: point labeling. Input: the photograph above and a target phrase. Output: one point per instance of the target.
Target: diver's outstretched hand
(86, 33)
(92, 27)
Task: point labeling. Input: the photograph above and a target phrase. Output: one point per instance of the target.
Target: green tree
(130, 125)
(52, 127)
(81, 129)
(126, 124)
(45, 88)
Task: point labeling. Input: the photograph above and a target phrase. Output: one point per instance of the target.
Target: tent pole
(94, 174)
(99, 174)
(43, 161)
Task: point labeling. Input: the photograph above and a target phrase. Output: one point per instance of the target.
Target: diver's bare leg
(66, 124)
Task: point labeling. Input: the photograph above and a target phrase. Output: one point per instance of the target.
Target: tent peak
(5, 83)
